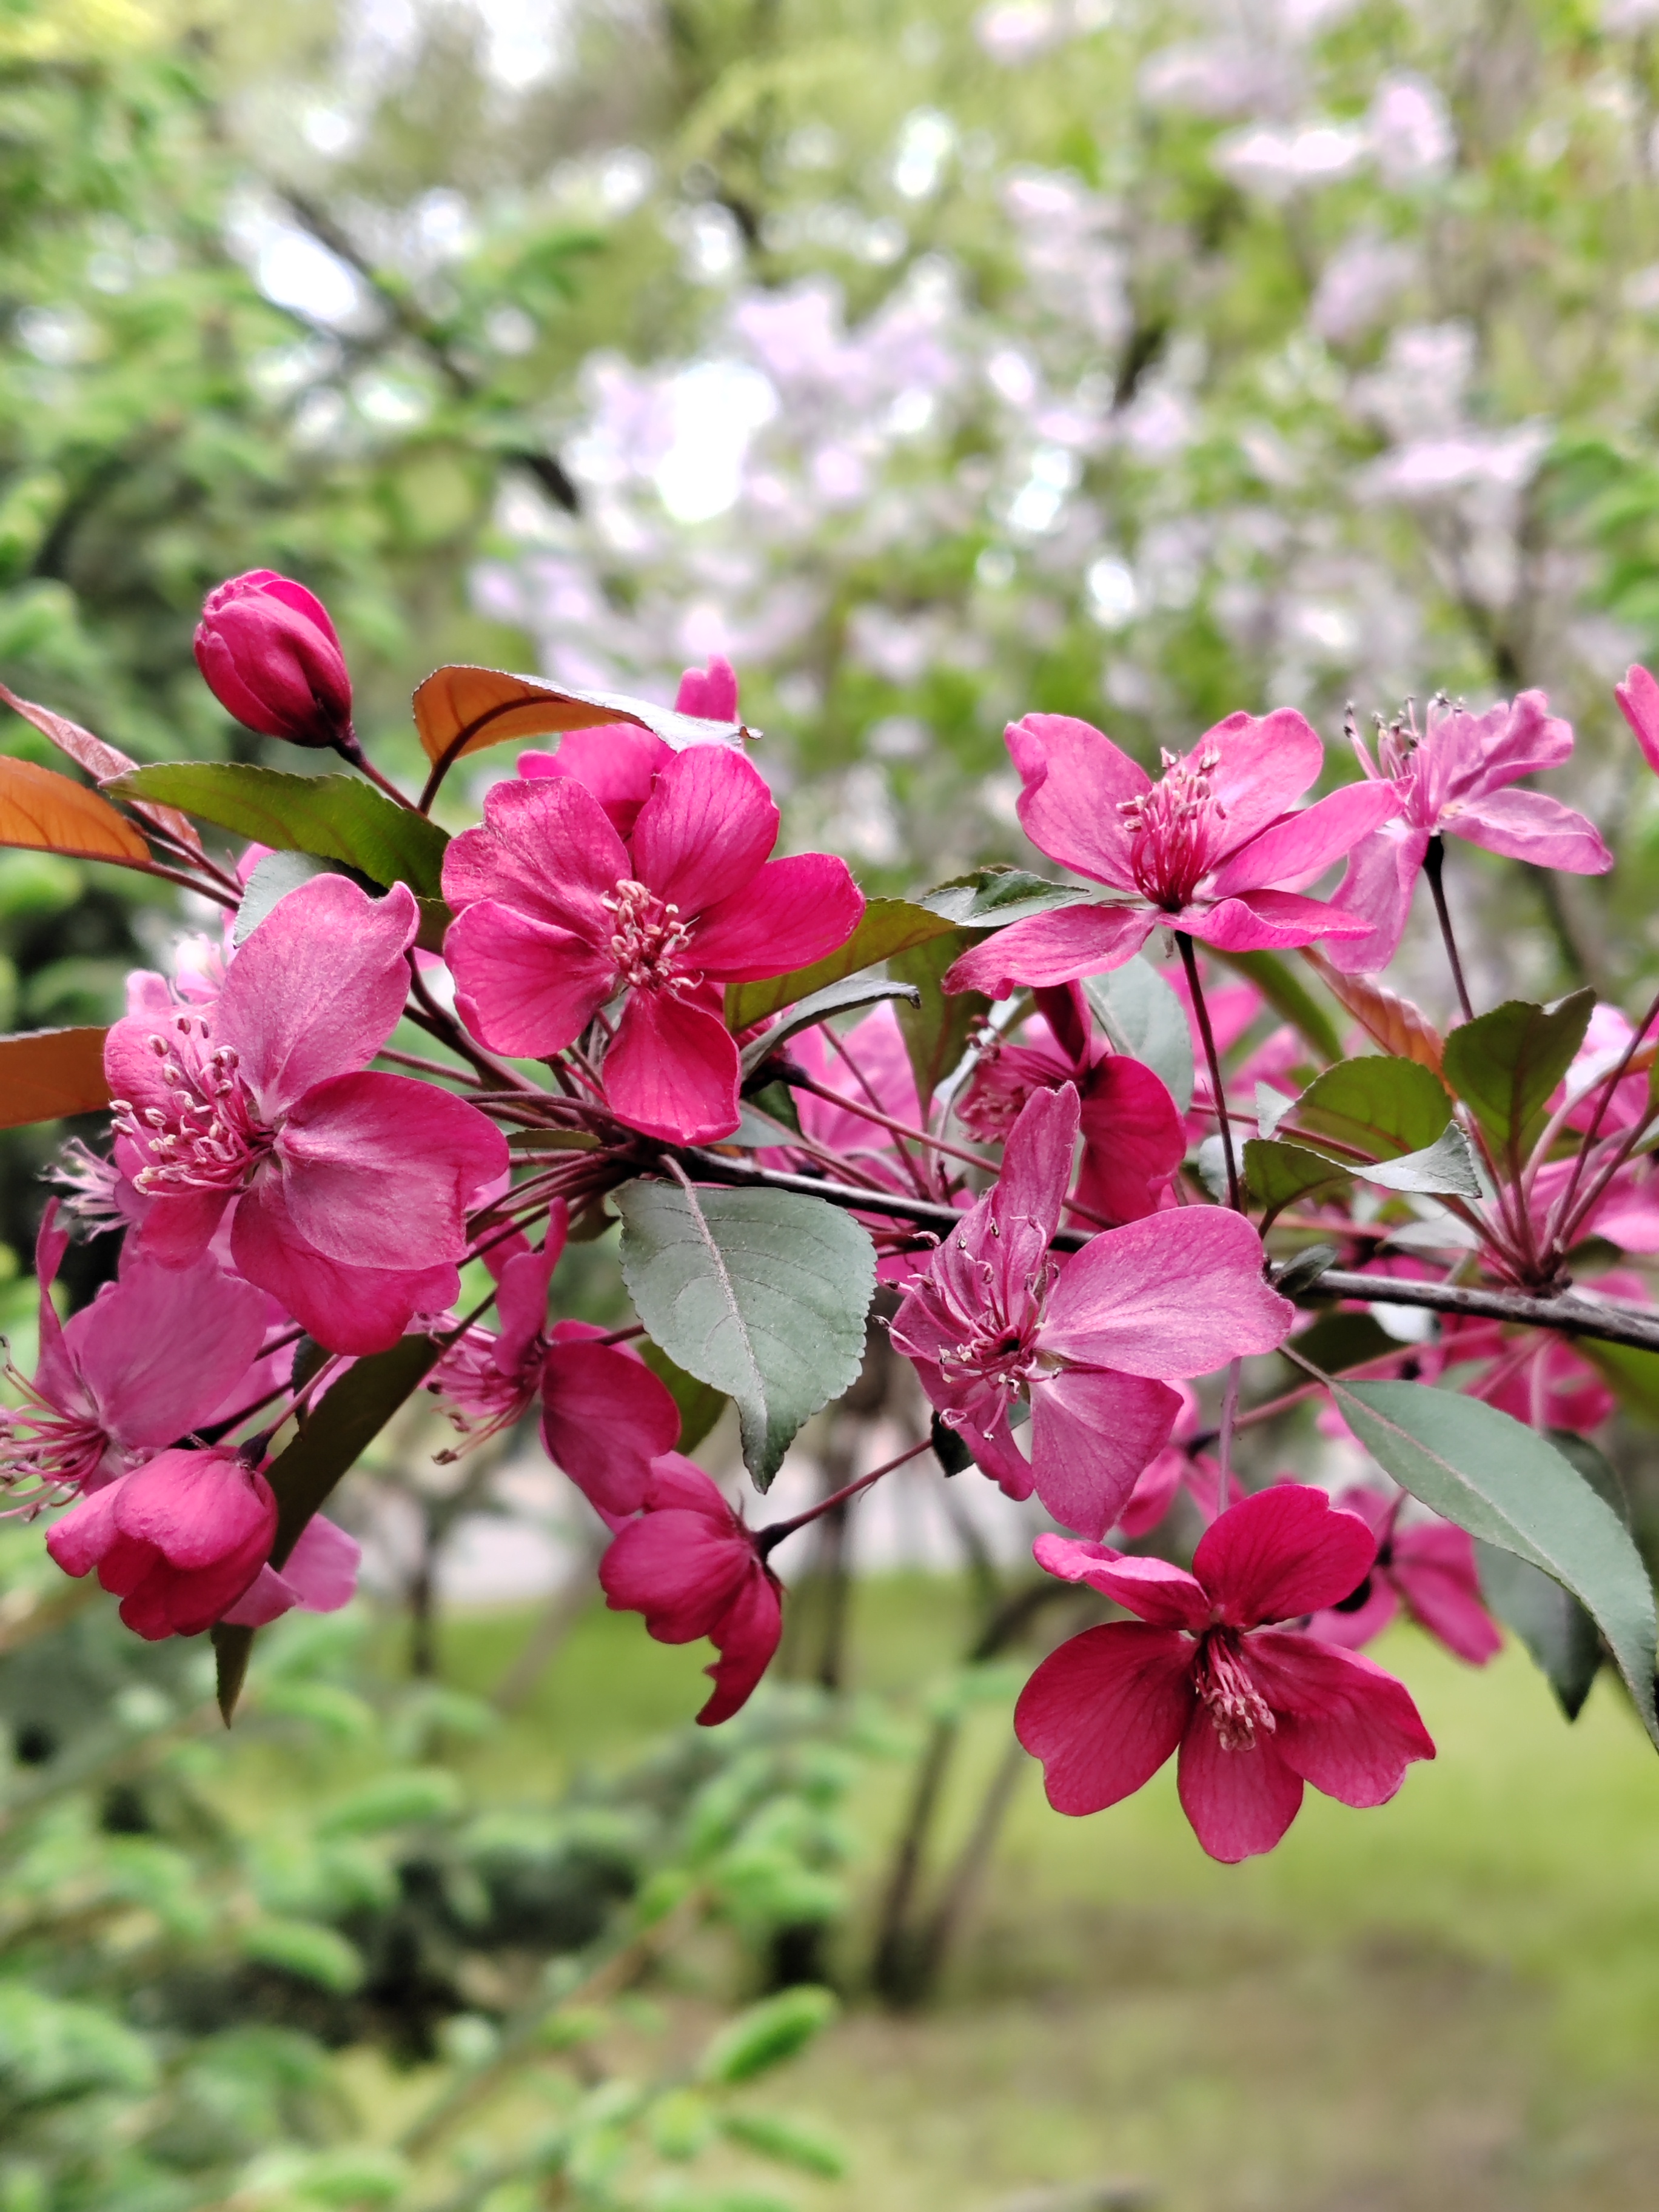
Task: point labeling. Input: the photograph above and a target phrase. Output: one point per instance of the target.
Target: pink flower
(269, 654)
(1451, 779)
(1428, 1567)
(350, 1191)
(1177, 1468)
(1638, 702)
(155, 1352)
(1255, 1712)
(1091, 1343)
(605, 1417)
(178, 1542)
(618, 762)
(319, 1576)
(556, 916)
(691, 1567)
(1210, 848)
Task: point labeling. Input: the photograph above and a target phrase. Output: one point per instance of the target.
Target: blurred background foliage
(1131, 358)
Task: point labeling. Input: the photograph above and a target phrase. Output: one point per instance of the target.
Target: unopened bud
(269, 654)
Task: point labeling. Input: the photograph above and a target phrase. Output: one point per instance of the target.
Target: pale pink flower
(1255, 1712)
(556, 916)
(1212, 848)
(1428, 1567)
(350, 1191)
(1091, 1343)
(179, 1542)
(157, 1351)
(692, 1568)
(319, 1576)
(1452, 779)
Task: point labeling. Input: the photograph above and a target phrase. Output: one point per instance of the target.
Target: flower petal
(1434, 1567)
(1293, 850)
(793, 913)
(1105, 1711)
(678, 1570)
(1529, 825)
(347, 1309)
(1344, 1724)
(616, 760)
(1638, 702)
(672, 1070)
(1161, 1593)
(605, 1416)
(706, 830)
(547, 850)
(1133, 1140)
(1092, 1433)
(1240, 1803)
(1284, 1552)
(520, 986)
(1075, 780)
(1175, 1295)
(1267, 762)
(1053, 948)
(746, 1635)
(1377, 889)
(163, 1347)
(1266, 921)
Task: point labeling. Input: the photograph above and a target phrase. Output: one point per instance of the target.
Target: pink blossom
(556, 916)
(319, 1575)
(1638, 702)
(179, 1542)
(1428, 1567)
(618, 762)
(1212, 848)
(269, 655)
(691, 1567)
(349, 1191)
(1178, 1467)
(605, 1417)
(155, 1352)
(1091, 1343)
(1255, 1711)
(1451, 779)
(870, 1066)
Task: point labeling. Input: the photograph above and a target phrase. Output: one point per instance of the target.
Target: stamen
(1172, 829)
(1225, 1684)
(648, 939)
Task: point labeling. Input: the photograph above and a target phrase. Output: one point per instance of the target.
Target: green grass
(1450, 2004)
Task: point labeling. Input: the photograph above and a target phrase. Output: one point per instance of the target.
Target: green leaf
(992, 896)
(1510, 1487)
(789, 2141)
(701, 1405)
(760, 1293)
(1633, 1373)
(1142, 1016)
(1552, 1624)
(1287, 995)
(1445, 1168)
(1278, 1174)
(1506, 1064)
(1379, 1107)
(937, 1028)
(339, 818)
(834, 998)
(301, 1947)
(405, 1799)
(768, 2033)
(274, 877)
(886, 927)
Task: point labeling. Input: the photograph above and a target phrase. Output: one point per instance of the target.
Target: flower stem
(1189, 962)
(1433, 863)
(1224, 1442)
(774, 1531)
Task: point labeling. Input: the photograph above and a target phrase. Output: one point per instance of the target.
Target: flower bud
(269, 654)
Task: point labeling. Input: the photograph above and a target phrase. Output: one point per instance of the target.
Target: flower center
(647, 939)
(45, 1453)
(1223, 1684)
(1172, 829)
(479, 1400)
(209, 1135)
(999, 1347)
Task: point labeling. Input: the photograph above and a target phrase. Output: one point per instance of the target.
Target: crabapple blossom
(269, 655)
(619, 762)
(319, 1575)
(1255, 1712)
(1426, 1567)
(1212, 848)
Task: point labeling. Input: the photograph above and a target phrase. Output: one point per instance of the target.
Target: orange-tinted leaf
(461, 710)
(46, 813)
(101, 763)
(51, 1074)
(1397, 1025)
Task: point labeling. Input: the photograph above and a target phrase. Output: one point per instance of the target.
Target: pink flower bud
(269, 654)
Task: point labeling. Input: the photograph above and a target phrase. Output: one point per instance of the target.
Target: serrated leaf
(701, 1405)
(1510, 1487)
(1445, 1168)
(992, 896)
(1287, 995)
(51, 1072)
(760, 1293)
(1377, 1106)
(42, 811)
(461, 709)
(835, 999)
(885, 927)
(339, 818)
(1506, 1064)
(937, 1028)
(1278, 1174)
(1142, 1016)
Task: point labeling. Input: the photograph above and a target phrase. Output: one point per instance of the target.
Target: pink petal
(1527, 825)
(1053, 948)
(547, 850)
(746, 1635)
(55, 1374)
(380, 1170)
(872, 1062)
(1292, 851)
(177, 1232)
(1266, 921)
(677, 1569)
(521, 1302)
(793, 913)
(320, 1576)
(1344, 1724)
(197, 1508)
(706, 830)
(1284, 1552)
(1360, 1626)
(1091, 1434)
(1023, 1212)
(672, 1072)
(1377, 889)
(677, 1482)
(1105, 1711)
(318, 988)
(1528, 737)
(163, 1348)
(1154, 1493)
(85, 1533)
(1133, 1140)
(1240, 1803)
(1435, 1570)
(605, 1417)
(1638, 702)
(521, 987)
(711, 693)
(1267, 762)
(1162, 1594)
(1176, 1295)
(616, 760)
(346, 1309)
(1075, 780)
